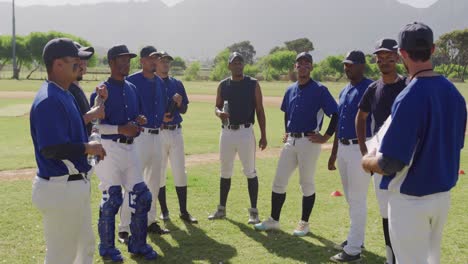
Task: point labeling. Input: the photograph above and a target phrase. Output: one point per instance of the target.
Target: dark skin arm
(361, 120)
(219, 106)
(260, 116)
(334, 151)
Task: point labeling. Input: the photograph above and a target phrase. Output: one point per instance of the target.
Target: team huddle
(136, 125)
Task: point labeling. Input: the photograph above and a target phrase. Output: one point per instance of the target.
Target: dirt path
(191, 160)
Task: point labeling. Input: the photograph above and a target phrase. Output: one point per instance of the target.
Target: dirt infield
(191, 160)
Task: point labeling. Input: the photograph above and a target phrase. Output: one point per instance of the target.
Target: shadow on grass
(287, 246)
(193, 245)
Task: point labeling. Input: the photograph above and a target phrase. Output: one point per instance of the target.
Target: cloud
(418, 3)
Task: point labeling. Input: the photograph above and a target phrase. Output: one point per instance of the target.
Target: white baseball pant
(382, 195)
(242, 142)
(148, 152)
(416, 225)
(301, 153)
(173, 149)
(66, 210)
(355, 185)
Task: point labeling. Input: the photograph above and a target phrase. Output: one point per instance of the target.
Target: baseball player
(304, 105)
(122, 167)
(150, 89)
(61, 189)
(422, 146)
(173, 141)
(244, 98)
(346, 150)
(75, 89)
(377, 102)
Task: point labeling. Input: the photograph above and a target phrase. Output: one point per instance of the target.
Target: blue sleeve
(405, 129)
(329, 104)
(285, 103)
(92, 98)
(50, 122)
(139, 99)
(182, 92)
(464, 127)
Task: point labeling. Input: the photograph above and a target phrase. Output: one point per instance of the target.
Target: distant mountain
(201, 28)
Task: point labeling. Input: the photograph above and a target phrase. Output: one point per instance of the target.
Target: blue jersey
(305, 106)
(174, 86)
(427, 133)
(152, 97)
(122, 104)
(349, 100)
(55, 119)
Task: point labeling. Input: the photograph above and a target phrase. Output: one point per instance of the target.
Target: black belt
(124, 140)
(235, 127)
(300, 135)
(171, 127)
(153, 131)
(349, 141)
(73, 177)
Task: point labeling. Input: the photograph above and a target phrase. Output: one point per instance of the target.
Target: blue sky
(415, 3)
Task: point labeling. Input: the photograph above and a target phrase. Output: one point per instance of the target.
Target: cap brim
(349, 62)
(385, 49)
(166, 56)
(232, 59)
(304, 57)
(154, 53)
(132, 55)
(85, 53)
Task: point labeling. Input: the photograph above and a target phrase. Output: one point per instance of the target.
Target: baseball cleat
(111, 254)
(146, 251)
(165, 216)
(302, 229)
(188, 218)
(269, 224)
(343, 244)
(253, 216)
(219, 214)
(344, 257)
(156, 229)
(123, 237)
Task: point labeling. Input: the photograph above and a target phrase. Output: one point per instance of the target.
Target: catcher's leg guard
(110, 204)
(140, 202)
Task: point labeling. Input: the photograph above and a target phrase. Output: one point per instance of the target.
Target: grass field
(227, 241)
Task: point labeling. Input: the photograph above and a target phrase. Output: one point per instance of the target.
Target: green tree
(451, 52)
(220, 69)
(193, 71)
(179, 63)
(278, 63)
(300, 45)
(246, 49)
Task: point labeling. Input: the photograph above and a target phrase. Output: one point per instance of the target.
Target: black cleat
(188, 218)
(155, 228)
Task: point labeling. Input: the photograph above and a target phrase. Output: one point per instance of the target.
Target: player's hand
(167, 117)
(370, 155)
(262, 143)
(178, 99)
(95, 148)
(131, 129)
(285, 137)
(223, 115)
(141, 120)
(98, 112)
(331, 162)
(102, 92)
(318, 138)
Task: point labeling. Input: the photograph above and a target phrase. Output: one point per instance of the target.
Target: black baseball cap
(119, 50)
(235, 55)
(355, 57)
(416, 36)
(162, 54)
(304, 55)
(147, 51)
(88, 49)
(386, 44)
(62, 47)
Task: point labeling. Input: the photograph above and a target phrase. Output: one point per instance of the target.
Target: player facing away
(244, 97)
(422, 146)
(119, 129)
(304, 105)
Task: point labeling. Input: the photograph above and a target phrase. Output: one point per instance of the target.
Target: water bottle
(226, 110)
(171, 108)
(95, 136)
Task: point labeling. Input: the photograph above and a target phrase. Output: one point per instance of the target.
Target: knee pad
(111, 201)
(140, 198)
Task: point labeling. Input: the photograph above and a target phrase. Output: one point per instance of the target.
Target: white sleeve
(105, 129)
